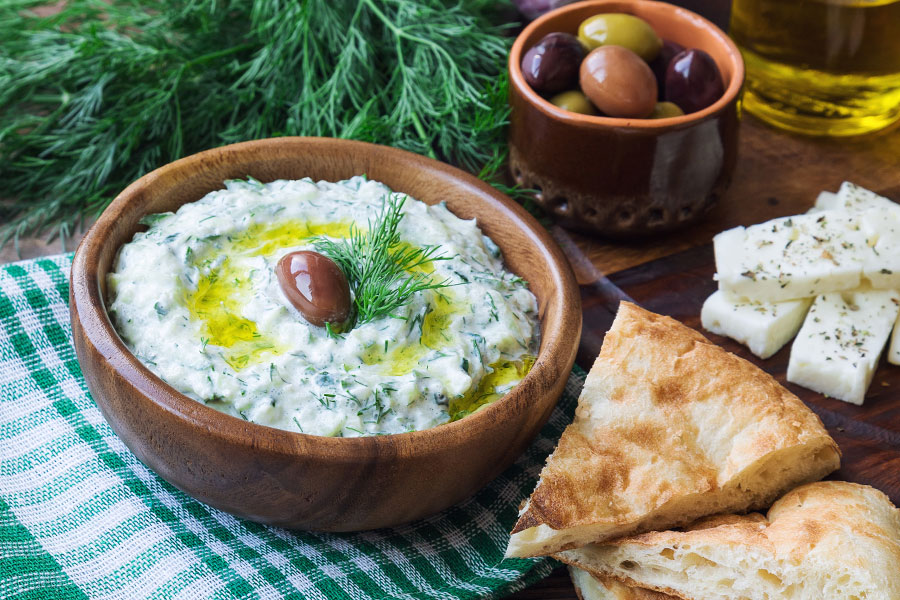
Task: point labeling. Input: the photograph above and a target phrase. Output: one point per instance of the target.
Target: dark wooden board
(677, 285)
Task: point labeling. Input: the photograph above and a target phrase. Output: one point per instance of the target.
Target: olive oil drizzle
(224, 289)
(492, 386)
(264, 239)
(403, 359)
(435, 335)
(217, 304)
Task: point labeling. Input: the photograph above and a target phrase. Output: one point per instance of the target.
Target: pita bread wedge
(827, 540)
(590, 587)
(597, 585)
(669, 428)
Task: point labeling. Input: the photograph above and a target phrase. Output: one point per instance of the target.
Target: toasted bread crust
(829, 533)
(668, 420)
(607, 588)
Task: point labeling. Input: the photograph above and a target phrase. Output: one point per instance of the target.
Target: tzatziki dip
(197, 299)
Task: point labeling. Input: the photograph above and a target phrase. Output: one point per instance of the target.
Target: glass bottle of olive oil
(823, 67)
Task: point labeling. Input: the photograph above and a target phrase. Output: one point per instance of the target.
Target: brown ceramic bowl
(302, 481)
(626, 177)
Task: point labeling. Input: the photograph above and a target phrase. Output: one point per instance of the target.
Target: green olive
(619, 29)
(664, 110)
(574, 101)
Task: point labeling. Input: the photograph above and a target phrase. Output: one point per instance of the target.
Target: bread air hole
(769, 577)
(846, 586)
(668, 553)
(628, 564)
(695, 560)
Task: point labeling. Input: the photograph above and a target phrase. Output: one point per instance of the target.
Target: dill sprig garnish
(103, 92)
(378, 266)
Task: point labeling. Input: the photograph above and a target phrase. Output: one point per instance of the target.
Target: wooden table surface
(778, 174)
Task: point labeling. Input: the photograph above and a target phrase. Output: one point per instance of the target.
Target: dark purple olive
(552, 64)
(316, 286)
(532, 9)
(693, 81)
(660, 64)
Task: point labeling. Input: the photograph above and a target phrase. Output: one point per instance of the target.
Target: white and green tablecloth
(81, 517)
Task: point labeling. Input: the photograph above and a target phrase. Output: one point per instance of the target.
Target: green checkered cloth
(81, 517)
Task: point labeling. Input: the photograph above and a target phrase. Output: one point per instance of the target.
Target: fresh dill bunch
(103, 92)
(378, 266)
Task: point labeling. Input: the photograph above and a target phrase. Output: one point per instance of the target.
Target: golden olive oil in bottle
(822, 67)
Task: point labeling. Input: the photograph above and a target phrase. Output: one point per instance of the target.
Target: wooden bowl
(626, 177)
(302, 481)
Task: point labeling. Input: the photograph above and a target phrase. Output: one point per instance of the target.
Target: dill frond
(378, 266)
(101, 93)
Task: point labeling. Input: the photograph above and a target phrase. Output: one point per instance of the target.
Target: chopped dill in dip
(196, 299)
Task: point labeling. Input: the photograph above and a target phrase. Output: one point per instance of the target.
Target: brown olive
(618, 82)
(315, 285)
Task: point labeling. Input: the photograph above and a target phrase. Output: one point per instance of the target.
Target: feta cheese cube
(853, 198)
(840, 342)
(883, 272)
(893, 355)
(826, 201)
(764, 327)
(882, 268)
(881, 224)
(792, 257)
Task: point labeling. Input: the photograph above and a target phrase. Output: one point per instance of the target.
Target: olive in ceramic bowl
(624, 177)
(693, 81)
(660, 64)
(666, 110)
(620, 29)
(551, 65)
(574, 101)
(618, 82)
